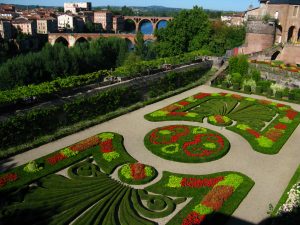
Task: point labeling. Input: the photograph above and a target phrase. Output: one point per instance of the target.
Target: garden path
(271, 173)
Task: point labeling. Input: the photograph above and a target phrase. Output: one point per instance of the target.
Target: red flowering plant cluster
(198, 148)
(85, 144)
(198, 183)
(168, 134)
(56, 158)
(214, 199)
(10, 177)
(136, 173)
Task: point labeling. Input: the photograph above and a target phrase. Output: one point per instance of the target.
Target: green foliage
(278, 94)
(175, 150)
(258, 89)
(188, 31)
(247, 88)
(225, 37)
(32, 167)
(232, 180)
(239, 64)
(58, 61)
(255, 75)
(139, 49)
(47, 119)
(236, 78)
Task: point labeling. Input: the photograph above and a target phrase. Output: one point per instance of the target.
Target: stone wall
(280, 76)
(290, 54)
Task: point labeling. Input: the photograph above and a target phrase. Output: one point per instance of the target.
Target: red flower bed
(280, 126)
(274, 134)
(280, 105)
(291, 114)
(196, 145)
(253, 132)
(177, 114)
(265, 102)
(138, 171)
(193, 219)
(56, 158)
(85, 144)
(10, 177)
(198, 183)
(201, 95)
(176, 131)
(106, 146)
(219, 119)
(170, 108)
(217, 196)
(184, 103)
(239, 97)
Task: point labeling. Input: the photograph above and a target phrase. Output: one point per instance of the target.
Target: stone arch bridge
(70, 39)
(139, 20)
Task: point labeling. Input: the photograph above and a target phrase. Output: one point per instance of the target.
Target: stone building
(118, 23)
(287, 14)
(274, 22)
(47, 25)
(25, 25)
(77, 7)
(5, 29)
(235, 19)
(105, 18)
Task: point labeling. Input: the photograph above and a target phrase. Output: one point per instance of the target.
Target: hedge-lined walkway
(271, 173)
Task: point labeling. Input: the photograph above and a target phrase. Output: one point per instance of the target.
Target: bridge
(139, 20)
(71, 39)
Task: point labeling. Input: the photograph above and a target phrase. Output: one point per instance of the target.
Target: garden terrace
(101, 199)
(264, 124)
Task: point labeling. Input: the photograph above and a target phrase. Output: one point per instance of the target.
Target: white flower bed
(293, 200)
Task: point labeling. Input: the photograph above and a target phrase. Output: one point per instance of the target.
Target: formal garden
(96, 180)
(35, 194)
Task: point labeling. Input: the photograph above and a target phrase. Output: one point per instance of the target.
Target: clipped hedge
(28, 125)
(45, 90)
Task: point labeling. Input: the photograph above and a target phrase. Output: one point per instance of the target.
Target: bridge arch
(147, 26)
(62, 40)
(129, 26)
(161, 24)
(80, 40)
(291, 32)
(130, 44)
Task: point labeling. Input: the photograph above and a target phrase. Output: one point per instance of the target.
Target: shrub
(225, 84)
(247, 89)
(255, 75)
(270, 92)
(285, 92)
(291, 96)
(258, 89)
(278, 94)
(236, 78)
(265, 84)
(236, 86)
(250, 83)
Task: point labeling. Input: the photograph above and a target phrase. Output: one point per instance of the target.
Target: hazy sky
(207, 4)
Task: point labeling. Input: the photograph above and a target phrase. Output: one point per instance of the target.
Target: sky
(236, 5)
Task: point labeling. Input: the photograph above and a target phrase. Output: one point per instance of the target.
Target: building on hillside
(7, 8)
(8, 15)
(5, 29)
(274, 22)
(88, 16)
(47, 25)
(118, 23)
(235, 19)
(71, 23)
(105, 18)
(25, 25)
(287, 14)
(77, 7)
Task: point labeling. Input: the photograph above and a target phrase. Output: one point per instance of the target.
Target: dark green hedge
(28, 125)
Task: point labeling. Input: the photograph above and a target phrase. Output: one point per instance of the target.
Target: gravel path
(271, 173)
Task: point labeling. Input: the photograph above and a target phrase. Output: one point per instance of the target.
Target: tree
(139, 44)
(188, 31)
